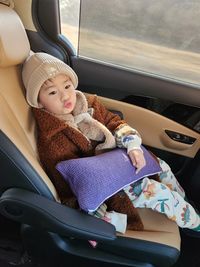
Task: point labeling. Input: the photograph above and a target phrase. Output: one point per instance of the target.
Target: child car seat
(27, 195)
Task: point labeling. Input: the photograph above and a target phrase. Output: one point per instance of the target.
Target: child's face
(58, 95)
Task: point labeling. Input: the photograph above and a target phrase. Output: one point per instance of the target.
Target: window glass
(69, 15)
(159, 37)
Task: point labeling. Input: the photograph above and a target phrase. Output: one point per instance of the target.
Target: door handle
(179, 137)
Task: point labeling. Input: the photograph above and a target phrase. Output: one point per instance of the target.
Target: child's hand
(137, 158)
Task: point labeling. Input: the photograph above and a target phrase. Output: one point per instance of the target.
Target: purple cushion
(94, 179)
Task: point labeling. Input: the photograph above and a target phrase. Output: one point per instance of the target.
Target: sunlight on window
(69, 13)
(158, 37)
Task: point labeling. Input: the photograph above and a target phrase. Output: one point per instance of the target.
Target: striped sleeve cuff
(127, 137)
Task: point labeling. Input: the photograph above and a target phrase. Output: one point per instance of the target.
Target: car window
(158, 37)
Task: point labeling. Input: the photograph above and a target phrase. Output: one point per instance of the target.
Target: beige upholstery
(14, 42)
(18, 124)
(9, 3)
(15, 116)
(157, 228)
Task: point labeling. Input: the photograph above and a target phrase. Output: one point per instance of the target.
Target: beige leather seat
(21, 170)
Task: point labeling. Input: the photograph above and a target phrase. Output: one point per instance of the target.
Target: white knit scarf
(81, 119)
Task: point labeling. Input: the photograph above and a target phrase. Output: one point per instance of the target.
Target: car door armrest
(33, 209)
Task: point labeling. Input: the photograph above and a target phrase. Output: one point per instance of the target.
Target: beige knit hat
(40, 67)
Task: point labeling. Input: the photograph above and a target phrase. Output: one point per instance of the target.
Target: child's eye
(67, 86)
(52, 93)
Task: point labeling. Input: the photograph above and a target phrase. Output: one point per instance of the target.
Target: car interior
(54, 234)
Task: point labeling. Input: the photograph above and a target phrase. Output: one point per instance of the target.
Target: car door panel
(152, 128)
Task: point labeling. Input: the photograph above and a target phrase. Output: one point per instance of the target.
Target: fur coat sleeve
(103, 115)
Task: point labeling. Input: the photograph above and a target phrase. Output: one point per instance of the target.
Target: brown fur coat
(57, 141)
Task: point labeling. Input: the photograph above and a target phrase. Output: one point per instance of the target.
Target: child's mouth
(67, 104)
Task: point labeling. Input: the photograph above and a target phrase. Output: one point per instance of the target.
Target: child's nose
(64, 96)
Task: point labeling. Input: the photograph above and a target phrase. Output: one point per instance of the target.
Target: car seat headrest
(14, 44)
